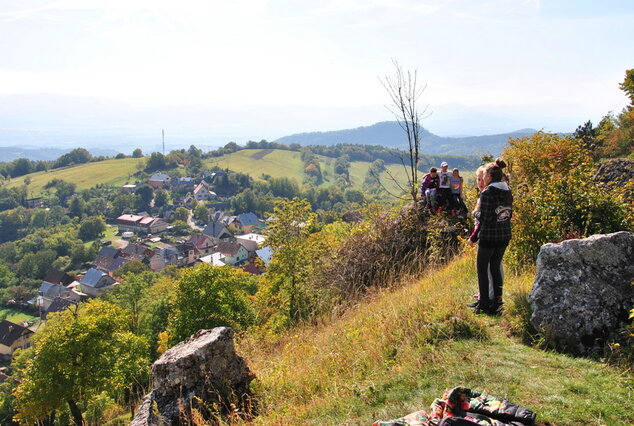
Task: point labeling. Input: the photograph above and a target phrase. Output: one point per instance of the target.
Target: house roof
(129, 219)
(216, 230)
(161, 177)
(199, 188)
(59, 304)
(10, 332)
(157, 263)
(109, 251)
(215, 259)
(229, 248)
(109, 264)
(52, 291)
(136, 251)
(93, 277)
(247, 219)
(258, 238)
(187, 180)
(217, 216)
(265, 253)
(200, 240)
(56, 276)
(184, 248)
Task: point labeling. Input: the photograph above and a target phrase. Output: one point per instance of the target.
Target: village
(224, 240)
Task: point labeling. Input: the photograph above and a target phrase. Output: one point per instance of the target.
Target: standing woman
(494, 215)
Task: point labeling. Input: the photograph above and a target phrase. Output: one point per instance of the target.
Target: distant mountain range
(386, 133)
(390, 134)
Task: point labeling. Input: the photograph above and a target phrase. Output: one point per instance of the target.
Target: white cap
(444, 164)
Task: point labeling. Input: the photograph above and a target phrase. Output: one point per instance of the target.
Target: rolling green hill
(254, 162)
(282, 163)
(111, 172)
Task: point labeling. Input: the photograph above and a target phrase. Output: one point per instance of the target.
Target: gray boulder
(202, 373)
(583, 291)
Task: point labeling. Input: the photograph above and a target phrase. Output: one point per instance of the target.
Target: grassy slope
(111, 172)
(395, 354)
(281, 163)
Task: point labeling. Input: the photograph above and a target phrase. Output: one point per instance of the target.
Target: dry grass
(398, 350)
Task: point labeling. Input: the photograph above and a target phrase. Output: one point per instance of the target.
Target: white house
(201, 193)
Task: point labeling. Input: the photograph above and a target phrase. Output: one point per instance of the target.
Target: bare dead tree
(404, 93)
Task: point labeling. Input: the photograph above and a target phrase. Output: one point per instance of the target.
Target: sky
(215, 70)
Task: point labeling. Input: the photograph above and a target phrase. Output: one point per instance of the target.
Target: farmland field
(110, 172)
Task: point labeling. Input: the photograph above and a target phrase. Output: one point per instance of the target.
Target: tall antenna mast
(163, 131)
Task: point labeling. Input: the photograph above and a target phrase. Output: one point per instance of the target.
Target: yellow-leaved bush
(556, 197)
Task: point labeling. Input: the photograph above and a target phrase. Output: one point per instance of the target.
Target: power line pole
(163, 132)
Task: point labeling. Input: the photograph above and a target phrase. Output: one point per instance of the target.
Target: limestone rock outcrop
(583, 290)
(202, 373)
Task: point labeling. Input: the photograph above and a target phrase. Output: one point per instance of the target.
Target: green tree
(7, 277)
(76, 207)
(123, 203)
(588, 135)
(35, 265)
(628, 85)
(155, 162)
(181, 214)
(129, 294)
(133, 267)
(137, 153)
(81, 352)
(201, 213)
(290, 267)
(555, 195)
(144, 193)
(91, 228)
(161, 198)
(39, 219)
(64, 190)
(181, 228)
(81, 254)
(208, 297)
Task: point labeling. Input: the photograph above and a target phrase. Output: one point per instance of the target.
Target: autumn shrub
(556, 197)
(390, 245)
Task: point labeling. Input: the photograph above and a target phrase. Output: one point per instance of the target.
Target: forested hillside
(390, 134)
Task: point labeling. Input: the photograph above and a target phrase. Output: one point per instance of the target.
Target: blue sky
(263, 69)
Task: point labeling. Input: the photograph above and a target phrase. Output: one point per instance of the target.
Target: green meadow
(254, 162)
(108, 172)
(282, 163)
